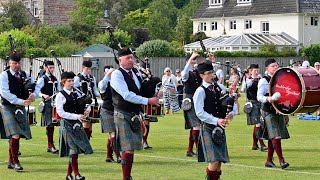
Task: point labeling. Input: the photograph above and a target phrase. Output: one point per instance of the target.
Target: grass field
(167, 160)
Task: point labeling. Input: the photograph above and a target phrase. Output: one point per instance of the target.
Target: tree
(135, 19)
(197, 36)
(159, 27)
(22, 42)
(16, 11)
(140, 36)
(117, 10)
(5, 24)
(87, 12)
(180, 3)
(122, 36)
(184, 30)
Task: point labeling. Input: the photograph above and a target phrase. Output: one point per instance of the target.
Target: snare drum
(31, 115)
(55, 115)
(299, 89)
(154, 110)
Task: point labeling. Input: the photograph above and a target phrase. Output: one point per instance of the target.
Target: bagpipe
(227, 99)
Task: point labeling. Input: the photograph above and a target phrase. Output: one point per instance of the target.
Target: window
(247, 24)
(213, 3)
(202, 26)
(106, 13)
(233, 24)
(314, 21)
(265, 27)
(35, 9)
(27, 4)
(214, 26)
(244, 1)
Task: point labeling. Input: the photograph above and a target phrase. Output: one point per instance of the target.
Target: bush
(65, 49)
(154, 48)
(37, 52)
(312, 52)
(288, 51)
(176, 50)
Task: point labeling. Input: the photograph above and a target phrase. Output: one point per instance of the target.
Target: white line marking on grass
(230, 164)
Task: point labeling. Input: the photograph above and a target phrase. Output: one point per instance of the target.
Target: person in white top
(169, 84)
(220, 74)
(179, 86)
(73, 139)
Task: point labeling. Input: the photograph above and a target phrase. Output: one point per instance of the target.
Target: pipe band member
(15, 97)
(274, 123)
(47, 86)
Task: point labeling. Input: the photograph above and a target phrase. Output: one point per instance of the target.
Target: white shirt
(103, 84)
(60, 101)
(77, 83)
(198, 100)
(220, 76)
(40, 84)
(118, 83)
(263, 88)
(185, 72)
(5, 91)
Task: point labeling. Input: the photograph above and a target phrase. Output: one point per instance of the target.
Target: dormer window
(216, 3)
(244, 2)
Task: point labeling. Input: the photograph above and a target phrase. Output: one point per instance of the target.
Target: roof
(255, 39)
(98, 54)
(95, 48)
(258, 7)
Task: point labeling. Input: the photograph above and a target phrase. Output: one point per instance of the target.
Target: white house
(290, 23)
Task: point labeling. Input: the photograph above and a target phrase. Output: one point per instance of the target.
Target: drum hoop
(303, 90)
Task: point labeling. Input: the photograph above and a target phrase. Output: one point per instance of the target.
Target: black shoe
(19, 153)
(129, 178)
(118, 159)
(69, 177)
(284, 164)
(146, 146)
(255, 147)
(263, 148)
(17, 167)
(79, 177)
(10, 166)
(270, 165)
(110, 159)
(53, 150)
(191, 154)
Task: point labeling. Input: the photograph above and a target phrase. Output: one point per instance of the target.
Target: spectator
(179, 87)
(170, 84)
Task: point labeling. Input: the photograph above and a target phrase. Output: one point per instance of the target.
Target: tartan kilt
(2, 130)
(12, 126)
(73, 141)
(208, 151)
(46, 115)
(190, 117)
(126, 139)
(253, 117)
(107, 121)
(275, 125)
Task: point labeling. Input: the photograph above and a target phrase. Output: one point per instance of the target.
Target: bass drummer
(274, 123)
(88, 85)
(47, 86)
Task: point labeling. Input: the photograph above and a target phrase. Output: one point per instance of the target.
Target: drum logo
(288, 90)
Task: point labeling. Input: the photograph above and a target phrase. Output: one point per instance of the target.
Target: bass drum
(299, 89)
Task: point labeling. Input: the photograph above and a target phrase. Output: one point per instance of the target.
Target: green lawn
(167, 160)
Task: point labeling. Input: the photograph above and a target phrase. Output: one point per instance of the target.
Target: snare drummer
(14, 98)
(106, 114)
(73, 140)
(274, 123)
(212, 148)
(125, 87)
(87, 84)
(250, 86)
(47, 86)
